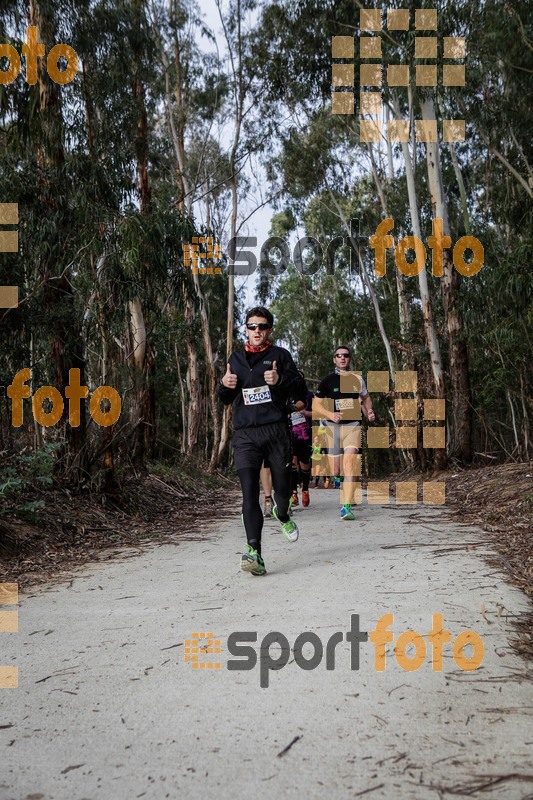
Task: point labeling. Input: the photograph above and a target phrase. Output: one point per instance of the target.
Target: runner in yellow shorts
(338, 402)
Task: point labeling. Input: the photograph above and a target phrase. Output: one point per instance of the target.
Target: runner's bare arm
(366, 405)
(323, 408)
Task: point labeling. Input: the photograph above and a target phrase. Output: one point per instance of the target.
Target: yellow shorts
(341, 436)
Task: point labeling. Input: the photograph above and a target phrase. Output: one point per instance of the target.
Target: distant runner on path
(301, 433)
(259, 380)
(340, 407)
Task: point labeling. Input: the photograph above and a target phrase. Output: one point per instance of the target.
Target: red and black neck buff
(258, 348)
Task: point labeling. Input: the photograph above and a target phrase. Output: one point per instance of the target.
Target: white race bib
(297, 418)
(253, 397)
(342, 404)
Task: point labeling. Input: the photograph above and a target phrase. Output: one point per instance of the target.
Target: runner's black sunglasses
(263, 326)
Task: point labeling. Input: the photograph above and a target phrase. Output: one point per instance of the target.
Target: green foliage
(22, 476)
(89, 243)
(319, 163)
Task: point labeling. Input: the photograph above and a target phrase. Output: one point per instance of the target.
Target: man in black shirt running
(259, 380)
(338, 401)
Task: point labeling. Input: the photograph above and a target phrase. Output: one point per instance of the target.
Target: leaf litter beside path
(499, 499)
(72, 530)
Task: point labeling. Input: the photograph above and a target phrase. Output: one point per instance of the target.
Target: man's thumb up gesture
(229, 380)
(271, 375)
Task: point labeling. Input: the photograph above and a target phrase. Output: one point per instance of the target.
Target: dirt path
(108, 708)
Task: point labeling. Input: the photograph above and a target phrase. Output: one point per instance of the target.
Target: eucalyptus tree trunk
(111, 486)
(429, 326)
(139, 363)
(185, 201)
(57, 288)
(404, 311)
(182, 402)
(142, 355)
(193, 384)
(101, 291)
(460, 429)
(368, 283)
(238, 106)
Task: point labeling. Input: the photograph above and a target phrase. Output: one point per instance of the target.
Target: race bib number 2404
(253, 397)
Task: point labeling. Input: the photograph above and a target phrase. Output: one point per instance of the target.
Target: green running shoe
(346, 512)
(252, 562)
(289, 529)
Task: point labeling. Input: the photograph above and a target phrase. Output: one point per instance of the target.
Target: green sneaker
(291, 503)
(289, 529)
(252, 562)
(346, 512)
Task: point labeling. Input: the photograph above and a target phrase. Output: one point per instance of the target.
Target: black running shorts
(302, 450)
(270, 443)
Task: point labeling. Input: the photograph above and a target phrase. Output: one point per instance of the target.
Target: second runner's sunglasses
(263, 326)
